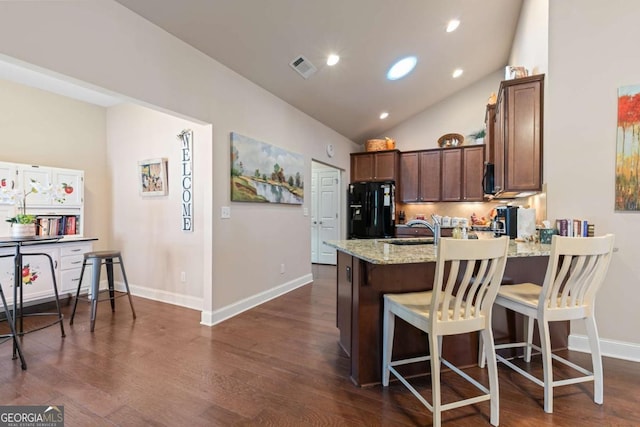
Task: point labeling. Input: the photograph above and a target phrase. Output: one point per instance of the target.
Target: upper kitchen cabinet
(420, 176)
(462, 170)
(516, 145)
(68, 180)
(375, 166)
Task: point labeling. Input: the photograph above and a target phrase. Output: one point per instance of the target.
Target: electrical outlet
(306, 211)
(225, 212)
(183, 277)
(281, 268)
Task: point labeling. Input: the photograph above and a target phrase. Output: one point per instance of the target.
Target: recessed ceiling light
(332, 60)
(402, 68)
(452, 25)
(457, 73)
(384, 115)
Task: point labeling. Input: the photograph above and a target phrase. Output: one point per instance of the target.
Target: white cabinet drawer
(69, 280)
(66, 249)
(72, 261)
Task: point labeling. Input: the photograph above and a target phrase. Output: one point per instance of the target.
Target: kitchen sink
(411, 242)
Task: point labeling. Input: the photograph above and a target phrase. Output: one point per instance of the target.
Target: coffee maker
(506, 221)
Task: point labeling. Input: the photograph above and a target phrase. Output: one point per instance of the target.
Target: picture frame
(152, 177)
(265, 173)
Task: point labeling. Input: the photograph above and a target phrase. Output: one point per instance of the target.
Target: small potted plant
(478, 136)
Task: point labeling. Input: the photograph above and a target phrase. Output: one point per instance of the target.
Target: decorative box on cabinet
(420, 176)
(516, 145)
(375, 166)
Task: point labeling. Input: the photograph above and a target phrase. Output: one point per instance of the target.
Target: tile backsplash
(465, 210)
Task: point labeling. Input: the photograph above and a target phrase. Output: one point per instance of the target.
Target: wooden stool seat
(96, 260)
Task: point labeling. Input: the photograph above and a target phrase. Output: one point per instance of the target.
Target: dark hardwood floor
(278, 364)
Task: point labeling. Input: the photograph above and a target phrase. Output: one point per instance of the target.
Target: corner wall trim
(612, 348)
(209, 318)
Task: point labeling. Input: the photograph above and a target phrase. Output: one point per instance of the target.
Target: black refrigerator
(371, 210)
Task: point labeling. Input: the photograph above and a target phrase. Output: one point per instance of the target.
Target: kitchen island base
(361, 286)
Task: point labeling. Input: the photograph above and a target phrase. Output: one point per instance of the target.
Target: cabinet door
(72, 185)
(385, 165)
(362, 167)
(8, 177)
(39, 175)
(37, 276)
(6, 273)
(523, 148)
(451, 175)
(430, 179)
(409, 177)
(344, 300)
(489, 124)
(472, 171)
(498, 144)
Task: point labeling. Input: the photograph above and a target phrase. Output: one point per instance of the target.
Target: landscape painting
(628, 149)
(264, 173)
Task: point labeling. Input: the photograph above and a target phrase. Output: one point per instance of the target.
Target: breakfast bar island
(369, 268)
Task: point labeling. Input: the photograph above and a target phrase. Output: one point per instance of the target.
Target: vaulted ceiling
(260, 38)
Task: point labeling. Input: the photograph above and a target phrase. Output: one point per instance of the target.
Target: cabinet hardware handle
(76, 262)
(55, 264)
(349, 274)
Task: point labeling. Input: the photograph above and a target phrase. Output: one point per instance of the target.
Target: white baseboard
(162, 296)
(210, 318)
(611, 348)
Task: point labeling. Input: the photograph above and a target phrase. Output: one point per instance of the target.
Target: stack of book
(574, 228)
(57, 225)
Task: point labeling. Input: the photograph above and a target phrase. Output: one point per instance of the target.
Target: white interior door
(325, 213)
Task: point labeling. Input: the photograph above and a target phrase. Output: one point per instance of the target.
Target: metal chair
(97, 260)
(576, 269)
(467, 278)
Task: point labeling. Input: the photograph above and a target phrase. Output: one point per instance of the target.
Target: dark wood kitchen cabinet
(472, 173)
(462, 170)
(375, 166)
(451, 175)
(420, 176)
(515, 147)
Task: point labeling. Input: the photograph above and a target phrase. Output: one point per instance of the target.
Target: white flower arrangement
(19, 198)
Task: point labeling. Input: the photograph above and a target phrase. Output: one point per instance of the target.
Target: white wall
(151, 226)
(592, 52)
(461, 113)
(42, 128)
(530, 44)
(107, 46)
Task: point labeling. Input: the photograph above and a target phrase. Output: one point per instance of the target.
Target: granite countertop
(381, 251)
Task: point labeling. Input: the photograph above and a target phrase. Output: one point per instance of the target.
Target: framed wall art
(628, 150)
(152, 176)
(264, 173)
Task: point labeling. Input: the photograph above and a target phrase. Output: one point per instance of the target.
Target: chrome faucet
(435, 228)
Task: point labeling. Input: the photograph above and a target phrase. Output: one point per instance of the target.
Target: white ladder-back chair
(576, 269)
(467, 277)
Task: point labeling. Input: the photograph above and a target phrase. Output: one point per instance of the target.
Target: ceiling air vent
(303, 66)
